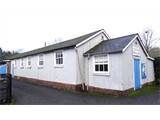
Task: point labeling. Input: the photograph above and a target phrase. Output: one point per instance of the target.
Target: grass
(145, 90)
(13, 101)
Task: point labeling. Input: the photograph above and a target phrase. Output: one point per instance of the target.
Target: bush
(157, 81)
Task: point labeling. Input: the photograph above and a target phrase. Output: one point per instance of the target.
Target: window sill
(29, 67)
(58, 66)
(101, 74)
(40, 67)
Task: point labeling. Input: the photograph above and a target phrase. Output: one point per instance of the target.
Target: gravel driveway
(29, 94)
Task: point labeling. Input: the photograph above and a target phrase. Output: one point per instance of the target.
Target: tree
(155, 52)
(147, 38)
(6, 54)
(1, 54)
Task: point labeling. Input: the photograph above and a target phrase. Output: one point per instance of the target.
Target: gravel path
(29, 94)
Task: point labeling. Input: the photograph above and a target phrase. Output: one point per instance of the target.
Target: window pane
(57, 61)
(40, 62)
(96, 67)
(60, 61)
(29, 62)
(101, 67)
(106, 67)
(59, 57)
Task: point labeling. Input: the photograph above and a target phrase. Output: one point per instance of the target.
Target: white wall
(128, 67)
(111, 81)
(121, 76)
(65, 74)
(80, 58)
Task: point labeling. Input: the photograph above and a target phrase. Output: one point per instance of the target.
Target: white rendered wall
(112, 81)
(80, 58)
(49, 72)
(128, 67)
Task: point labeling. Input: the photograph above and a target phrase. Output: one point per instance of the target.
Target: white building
(92, 62)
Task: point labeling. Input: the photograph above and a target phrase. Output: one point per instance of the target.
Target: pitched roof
(114, 45)
(65, 44)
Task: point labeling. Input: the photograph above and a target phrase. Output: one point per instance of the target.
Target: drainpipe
(80, 71)
(88, 72)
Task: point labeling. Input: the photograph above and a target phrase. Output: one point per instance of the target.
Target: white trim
(84, 41)
(101, 73)
(54, 57)
(15, 63)
(40, 66)
(124, 49)
(139, 39)
(139, 73)
(150, 58)
(143, 46)
(28, 66)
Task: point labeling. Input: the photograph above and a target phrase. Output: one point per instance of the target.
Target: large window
(22, 63)
(101, 64)
(59, 58)
(41, 60)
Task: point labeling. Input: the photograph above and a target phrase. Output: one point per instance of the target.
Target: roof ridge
(65, 40)
(64, 44)
(124, 36)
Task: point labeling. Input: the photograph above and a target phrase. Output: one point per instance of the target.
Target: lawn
(145, 90)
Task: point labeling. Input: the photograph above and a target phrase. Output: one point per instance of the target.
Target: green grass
(145, 90)
(13, 101)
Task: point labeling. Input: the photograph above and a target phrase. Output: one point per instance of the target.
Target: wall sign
(136, 51)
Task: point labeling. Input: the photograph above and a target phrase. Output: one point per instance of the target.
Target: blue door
(137, 73)
(3, 69)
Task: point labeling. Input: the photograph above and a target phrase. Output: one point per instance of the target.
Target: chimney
(45, 44)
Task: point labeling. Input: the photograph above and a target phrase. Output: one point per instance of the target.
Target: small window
(143, 71)
(28, 61)
(41, 60)
(59, 58)
(14, 64)
(101, 64)
(22, 63)
(102, 37)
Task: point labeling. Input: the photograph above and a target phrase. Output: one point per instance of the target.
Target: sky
(28, 24)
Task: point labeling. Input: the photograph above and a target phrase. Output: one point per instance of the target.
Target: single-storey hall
(92, 62)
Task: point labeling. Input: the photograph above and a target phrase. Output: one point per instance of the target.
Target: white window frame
(55, 63)
(94, 64)
(22, 61)
(27, 65)
(15, 64)
(40, 66)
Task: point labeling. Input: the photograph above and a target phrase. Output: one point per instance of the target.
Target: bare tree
(148, 40)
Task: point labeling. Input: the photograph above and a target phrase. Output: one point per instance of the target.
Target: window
(59, 58)
(143, 71)
(29, 62)
(101, 64)
(41, 60)
(22, 63)
(14, 64)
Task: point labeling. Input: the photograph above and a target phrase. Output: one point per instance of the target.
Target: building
(91, 62)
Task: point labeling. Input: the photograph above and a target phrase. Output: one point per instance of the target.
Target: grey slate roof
(115, 45)
(61, 45)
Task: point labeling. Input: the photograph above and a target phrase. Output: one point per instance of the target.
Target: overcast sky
(28, 24)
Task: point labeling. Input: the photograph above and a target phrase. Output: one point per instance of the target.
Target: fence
(5, 84)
